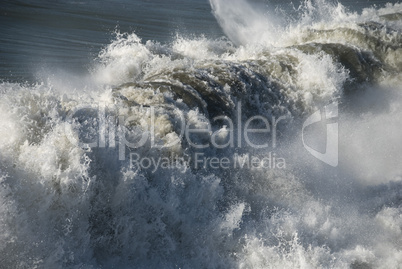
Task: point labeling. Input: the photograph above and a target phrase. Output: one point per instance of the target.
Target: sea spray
(68, 199)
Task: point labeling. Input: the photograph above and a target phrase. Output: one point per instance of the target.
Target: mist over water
(97, 169)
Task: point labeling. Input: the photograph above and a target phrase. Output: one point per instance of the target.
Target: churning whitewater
(145, 163)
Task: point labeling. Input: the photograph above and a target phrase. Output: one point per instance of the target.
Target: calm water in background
(68, 35)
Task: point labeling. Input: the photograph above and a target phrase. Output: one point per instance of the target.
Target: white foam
(64, 205)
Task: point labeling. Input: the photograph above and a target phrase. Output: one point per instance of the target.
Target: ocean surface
(200, 134)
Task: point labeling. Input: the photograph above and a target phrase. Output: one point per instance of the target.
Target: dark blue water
(38, 35)
(69, 34)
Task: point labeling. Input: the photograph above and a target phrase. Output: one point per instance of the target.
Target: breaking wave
(71, 197)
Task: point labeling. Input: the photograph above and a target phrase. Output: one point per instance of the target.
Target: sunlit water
(97, 170)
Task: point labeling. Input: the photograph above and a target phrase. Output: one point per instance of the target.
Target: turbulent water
(195, 153)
